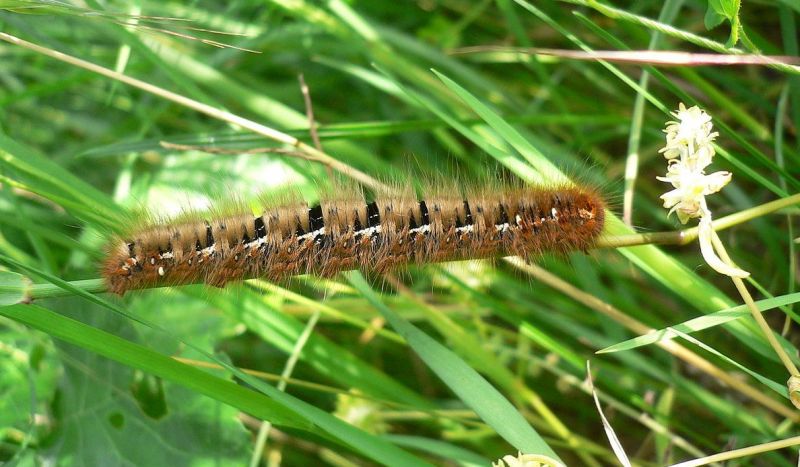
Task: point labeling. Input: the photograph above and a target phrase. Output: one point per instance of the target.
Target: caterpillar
(348, 232)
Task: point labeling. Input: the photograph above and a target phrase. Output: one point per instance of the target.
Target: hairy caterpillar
(351, 233)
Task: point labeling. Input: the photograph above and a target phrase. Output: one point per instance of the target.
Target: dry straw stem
(643, 57)
(671, 31)
(738, 453)
(308, 152)
(640, 328)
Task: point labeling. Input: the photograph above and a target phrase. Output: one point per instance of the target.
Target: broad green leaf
(724, 10)
(713, 18)
(727, 8)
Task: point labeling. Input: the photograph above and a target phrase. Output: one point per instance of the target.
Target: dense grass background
(446, 364)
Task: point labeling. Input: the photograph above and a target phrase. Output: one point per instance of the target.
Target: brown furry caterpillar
(341, 234)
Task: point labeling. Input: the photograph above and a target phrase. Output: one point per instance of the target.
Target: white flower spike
(527, 460)
(689, 150)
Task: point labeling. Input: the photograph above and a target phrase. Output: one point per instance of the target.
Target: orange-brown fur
(538, 220)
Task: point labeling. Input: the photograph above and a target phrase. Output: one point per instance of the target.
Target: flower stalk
(689, 151)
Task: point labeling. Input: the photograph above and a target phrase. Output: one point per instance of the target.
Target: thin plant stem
(686, 236)
(780, 117)
(739, 453)
(748, 299)
(309, 152)
(291, 362)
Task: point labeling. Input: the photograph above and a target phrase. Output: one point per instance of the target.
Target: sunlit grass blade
(46, 177)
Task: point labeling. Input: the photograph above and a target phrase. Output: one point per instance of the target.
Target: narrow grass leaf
(327, 358)
(778, 388)
(495, 148)
(441, 449)
(462, 379)
(145, 359)
(506, 131)
(703, 322)
(41, 173)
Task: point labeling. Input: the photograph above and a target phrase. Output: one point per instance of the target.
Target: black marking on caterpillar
(338, 235)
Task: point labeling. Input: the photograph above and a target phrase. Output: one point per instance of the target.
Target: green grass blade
(704, 322)
(366, 443)
(776, 387)
(145, 359)
(464, 381)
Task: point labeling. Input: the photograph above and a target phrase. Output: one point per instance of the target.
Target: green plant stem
(686, 236)
(291, 362)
